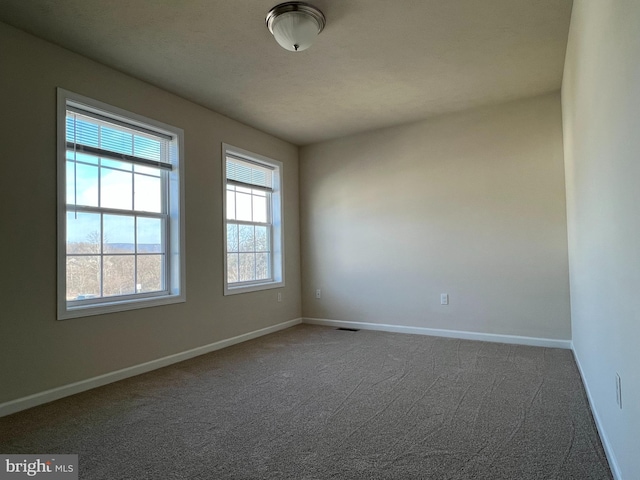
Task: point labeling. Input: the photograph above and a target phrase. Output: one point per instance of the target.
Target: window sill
(256, 287)
(120, 306)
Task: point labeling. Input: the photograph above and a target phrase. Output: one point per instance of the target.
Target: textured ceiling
(377, 63)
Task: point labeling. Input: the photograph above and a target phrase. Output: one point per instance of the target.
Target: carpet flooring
(315, 402)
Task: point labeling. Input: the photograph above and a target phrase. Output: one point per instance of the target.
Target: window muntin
(253, 222)
(120, 204)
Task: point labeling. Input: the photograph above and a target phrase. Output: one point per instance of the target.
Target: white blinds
(96, 135)
(246, 172)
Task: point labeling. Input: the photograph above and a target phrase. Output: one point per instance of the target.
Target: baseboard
(608, 450)
(36, 399)
(484, 337)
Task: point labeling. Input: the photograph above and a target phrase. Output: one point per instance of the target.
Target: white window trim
(175, 255)
(277, 201)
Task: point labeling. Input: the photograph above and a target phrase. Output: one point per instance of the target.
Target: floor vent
(349, 329)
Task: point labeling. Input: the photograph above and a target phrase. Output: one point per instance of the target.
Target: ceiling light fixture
(295, 25)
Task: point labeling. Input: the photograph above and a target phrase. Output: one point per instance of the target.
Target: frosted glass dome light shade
(295, 31)
(295, 25)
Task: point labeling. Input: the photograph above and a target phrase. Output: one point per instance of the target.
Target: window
(120, 232)
(254, 254)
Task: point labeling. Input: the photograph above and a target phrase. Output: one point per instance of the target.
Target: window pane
(243, 206)
(115, 189)
(83, 233)
(147, 194)
(83, 277)
(150, 273)
(231, 204)
(155, 172)
(82, 157)
(87, 158)
(232, 238)
(150, 235)
(260, 208)
(232, 267)
(262, 266)
(262, 239)
(107, 162)
(247, 266)
(247, 241)
(118, 234)
(86, 185)
(118, 275)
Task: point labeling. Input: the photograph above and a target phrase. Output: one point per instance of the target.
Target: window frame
(172, 186)
(276, 213)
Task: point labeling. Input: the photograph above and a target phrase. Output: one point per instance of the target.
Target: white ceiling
(377, 63)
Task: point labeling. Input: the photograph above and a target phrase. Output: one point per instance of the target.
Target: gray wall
(601, 116)
(36, 351)
(469, 204)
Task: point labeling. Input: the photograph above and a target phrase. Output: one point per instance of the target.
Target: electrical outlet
(618, 391)
(279, 296)
(444, 299)
(318, 293)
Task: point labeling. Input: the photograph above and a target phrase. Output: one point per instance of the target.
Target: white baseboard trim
(36, 399)
(435, 332)
(608, 450)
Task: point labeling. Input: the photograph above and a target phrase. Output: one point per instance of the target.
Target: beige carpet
(315, 402)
